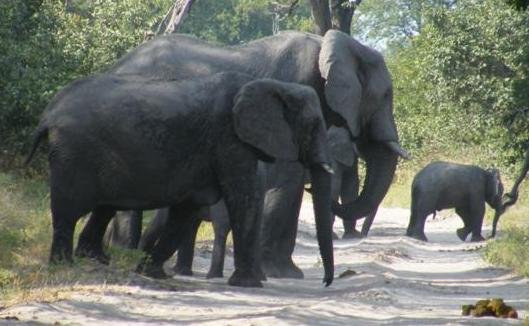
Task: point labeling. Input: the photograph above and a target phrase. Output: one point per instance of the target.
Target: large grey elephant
(466, 188)
(344, 185)
(124, 142)
(355, 90)
(126, 227)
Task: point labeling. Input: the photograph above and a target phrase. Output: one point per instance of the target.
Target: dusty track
(398, 281)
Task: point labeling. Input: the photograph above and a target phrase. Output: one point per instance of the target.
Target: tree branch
(180, 10)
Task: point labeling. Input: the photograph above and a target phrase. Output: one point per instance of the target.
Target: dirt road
(397, 281)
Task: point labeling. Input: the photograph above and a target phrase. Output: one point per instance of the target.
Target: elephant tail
(40, 133)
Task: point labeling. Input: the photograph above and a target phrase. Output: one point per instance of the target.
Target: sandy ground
(398, 281)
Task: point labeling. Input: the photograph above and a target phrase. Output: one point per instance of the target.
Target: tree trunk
(180, 10)
(322, 16)
(342, 15)
(338, 15)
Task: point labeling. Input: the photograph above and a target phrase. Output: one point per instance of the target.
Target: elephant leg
(368, 222)
(280, 220)
(419, 226)
(186, 250)
(125, 230)
(349, 193)
(154, 230)
(65, 215)
(164, 237)
(221, 227)
(241, 187)
(419, 213)
(90, 242)
(412, 222)
(464, 213)
(284, 262)
(477, 214)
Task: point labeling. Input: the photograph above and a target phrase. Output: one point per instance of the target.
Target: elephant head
(284, 121)
(494, 195)
(358, 87)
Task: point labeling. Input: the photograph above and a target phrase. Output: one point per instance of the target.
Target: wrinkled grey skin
(217, 214)
(442, 185)
(355, 91)
(125, 230)
(344, 185)
(345, 181)
(119, 143)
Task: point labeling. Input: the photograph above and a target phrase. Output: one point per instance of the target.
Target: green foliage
(511, 250)
(239, 21)
(45, 45)
(25, 224)
(519, 4)
(392, 23)
(463, 81)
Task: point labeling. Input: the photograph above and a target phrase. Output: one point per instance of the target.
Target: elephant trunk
(381, 152)
(381, 162)
(497, 214)
(321, 197)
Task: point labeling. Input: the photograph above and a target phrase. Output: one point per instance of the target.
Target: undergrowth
(25, 239)
(510, 250)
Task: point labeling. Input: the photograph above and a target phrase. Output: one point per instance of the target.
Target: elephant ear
(259, 121)
(283, 120)
(342, 63)
(341, 146)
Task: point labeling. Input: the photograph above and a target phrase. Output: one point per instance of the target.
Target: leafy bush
(511, 250)
(463, 82)
(45, 44)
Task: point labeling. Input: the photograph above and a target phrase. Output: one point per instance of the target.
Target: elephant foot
(352, 234)
(290, 270)
(477, 238)
(59, 259)
(214, 274)
(420, 236)
(462, 234)
(183, 270)
(84, 251)
(270, 269)
(150, 270)
(244, 279)
(260, 274)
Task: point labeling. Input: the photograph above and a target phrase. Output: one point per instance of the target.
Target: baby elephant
(126, 143)
(466, 188)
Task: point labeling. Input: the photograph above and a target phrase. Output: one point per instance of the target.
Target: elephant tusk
(394, 146)
(327, 168)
